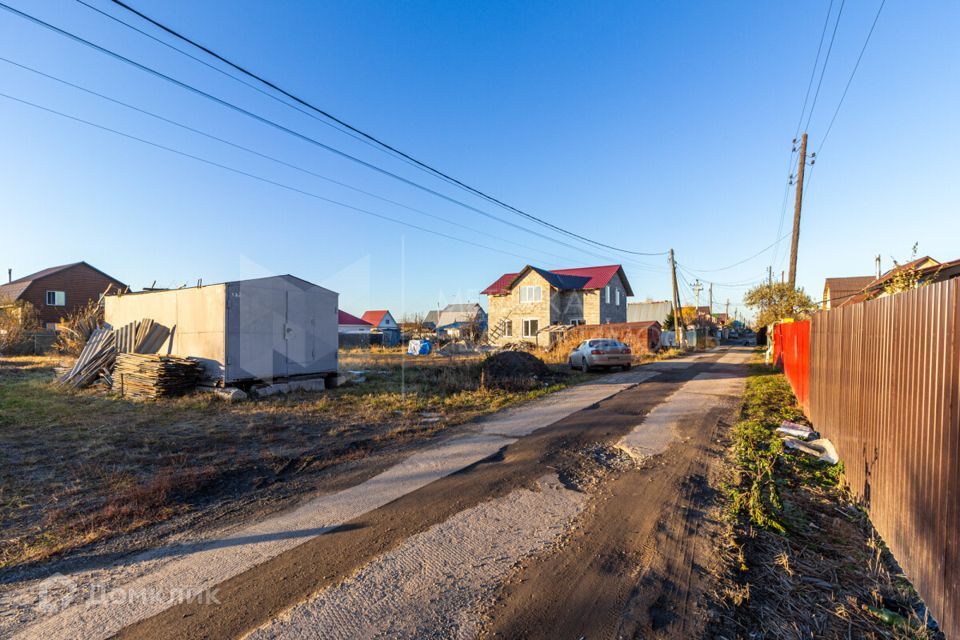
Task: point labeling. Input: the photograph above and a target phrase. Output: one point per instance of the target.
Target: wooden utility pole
(678, 327)
(770, 276)
(697, 287)
(796, 212)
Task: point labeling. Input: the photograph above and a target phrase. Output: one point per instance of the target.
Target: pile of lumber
(145, 375)
(96, 358)
(145, 336)
(103, 345)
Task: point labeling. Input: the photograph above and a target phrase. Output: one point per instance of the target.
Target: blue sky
(643, 125)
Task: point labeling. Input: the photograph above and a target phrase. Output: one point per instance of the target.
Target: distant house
(58, 291)
(926, 270)
(352, 331)
(838, 290)
(649, 311)
(349, 323)
(531, 304)
(456, 317)
(385, 329)
(430, 320)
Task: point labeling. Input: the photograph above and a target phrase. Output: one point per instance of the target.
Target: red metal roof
(597, 278)
(502, 285)
(375, 317)
(348, 318)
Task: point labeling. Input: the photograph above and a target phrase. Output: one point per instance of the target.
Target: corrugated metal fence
(791, 342)
(885, 388)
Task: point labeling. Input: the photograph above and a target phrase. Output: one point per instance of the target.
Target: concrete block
(315, 384)
(271, 390)
(230, 394)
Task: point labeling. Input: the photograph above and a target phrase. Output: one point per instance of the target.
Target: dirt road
(576, 516)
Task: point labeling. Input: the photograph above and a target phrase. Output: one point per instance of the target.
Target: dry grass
(77, 467)
(801, 559)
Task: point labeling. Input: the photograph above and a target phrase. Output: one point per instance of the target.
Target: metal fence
(791, 350)
(885, 388)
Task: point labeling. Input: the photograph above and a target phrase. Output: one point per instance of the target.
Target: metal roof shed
(262, 329)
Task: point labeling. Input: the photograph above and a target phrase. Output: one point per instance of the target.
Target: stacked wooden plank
(150, 336)
(125, 336)
(103, 345)
(145, 336)
(97, 356)
(144, 375)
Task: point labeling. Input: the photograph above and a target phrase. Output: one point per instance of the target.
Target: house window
(530, 328)
(56, 298)
(606, 291)
(506, 328)
(531, 293)
(618, 297)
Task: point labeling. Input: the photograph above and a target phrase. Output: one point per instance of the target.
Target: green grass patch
(761, 463)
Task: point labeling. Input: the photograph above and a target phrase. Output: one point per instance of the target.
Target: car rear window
(605, 344)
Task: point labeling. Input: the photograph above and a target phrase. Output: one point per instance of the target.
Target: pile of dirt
(585, 468)
(514, 370)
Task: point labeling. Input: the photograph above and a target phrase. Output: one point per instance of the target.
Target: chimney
(9, 275)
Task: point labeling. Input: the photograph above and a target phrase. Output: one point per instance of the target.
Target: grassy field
(81, 466)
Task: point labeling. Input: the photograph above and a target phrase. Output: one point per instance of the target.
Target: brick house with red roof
(527, 305)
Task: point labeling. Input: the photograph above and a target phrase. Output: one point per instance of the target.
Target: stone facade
(556, 307)
(612, 312)
(508, 308)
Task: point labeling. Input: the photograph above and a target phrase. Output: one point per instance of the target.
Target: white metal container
(261, 329)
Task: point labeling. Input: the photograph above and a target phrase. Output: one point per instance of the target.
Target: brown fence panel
(885, 388)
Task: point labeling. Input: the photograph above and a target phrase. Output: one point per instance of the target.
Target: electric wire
(826, 61)
(438, 173)
(325, 121)
(269, 157)
(252, 175)
(856, 66)
(813, 72)
(276, 125)
(737, 264)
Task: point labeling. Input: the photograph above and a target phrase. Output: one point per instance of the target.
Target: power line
(273, 124)
(729, 285)
(436, 172)
(826, 61)
(251, 85)
(269, 157)
(813, 72)
(852, 74)
(736, 264)
(783, 205)
(253, 176)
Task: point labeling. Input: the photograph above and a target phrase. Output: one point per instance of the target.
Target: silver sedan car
(600, 352)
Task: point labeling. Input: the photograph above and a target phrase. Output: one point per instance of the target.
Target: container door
(299, 334)
(256, 324)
